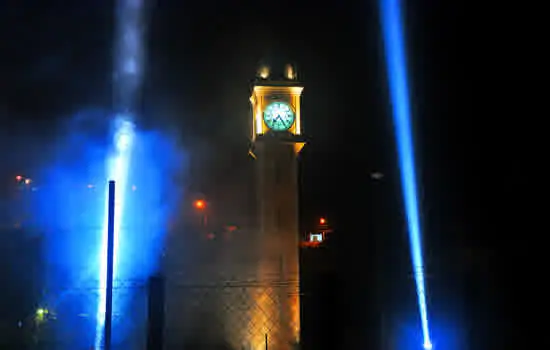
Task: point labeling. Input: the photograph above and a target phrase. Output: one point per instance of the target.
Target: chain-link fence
(227, 315)
(72, 321)
(219, 295)
(250, 315)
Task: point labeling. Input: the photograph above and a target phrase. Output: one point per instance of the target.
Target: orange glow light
(200, 204)
(322, 221)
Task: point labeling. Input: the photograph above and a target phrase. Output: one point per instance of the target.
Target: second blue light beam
(397, 74)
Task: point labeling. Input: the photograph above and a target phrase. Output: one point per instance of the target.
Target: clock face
(278, 116)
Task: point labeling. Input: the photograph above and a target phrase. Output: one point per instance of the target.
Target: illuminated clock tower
(276, 143)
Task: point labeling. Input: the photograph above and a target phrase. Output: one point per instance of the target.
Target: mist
(65, 202)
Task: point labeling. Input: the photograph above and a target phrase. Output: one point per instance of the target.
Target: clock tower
(276, 142)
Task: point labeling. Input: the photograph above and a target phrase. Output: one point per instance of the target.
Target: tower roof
(276, 72)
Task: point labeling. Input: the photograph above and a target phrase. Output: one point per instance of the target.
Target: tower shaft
(277, 190)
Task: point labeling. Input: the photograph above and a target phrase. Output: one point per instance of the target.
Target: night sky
(56, 60)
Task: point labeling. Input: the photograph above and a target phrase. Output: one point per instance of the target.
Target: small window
(316, 237)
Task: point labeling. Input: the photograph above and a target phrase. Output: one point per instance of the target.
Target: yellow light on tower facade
(259, 120)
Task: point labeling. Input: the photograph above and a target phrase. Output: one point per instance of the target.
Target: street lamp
(200, 205)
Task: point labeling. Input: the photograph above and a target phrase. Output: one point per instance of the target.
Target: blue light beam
(69, 205)
(117, 170)
(128, 76)
(399, 94)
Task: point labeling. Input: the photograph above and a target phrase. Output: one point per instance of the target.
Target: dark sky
(56, 59)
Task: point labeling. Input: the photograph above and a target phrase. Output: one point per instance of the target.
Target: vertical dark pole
(155, 332)
(110, 260)
(266, 341)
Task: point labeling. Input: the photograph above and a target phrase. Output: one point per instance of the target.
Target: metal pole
(155, 331)
(266, 341)
(110, 260)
